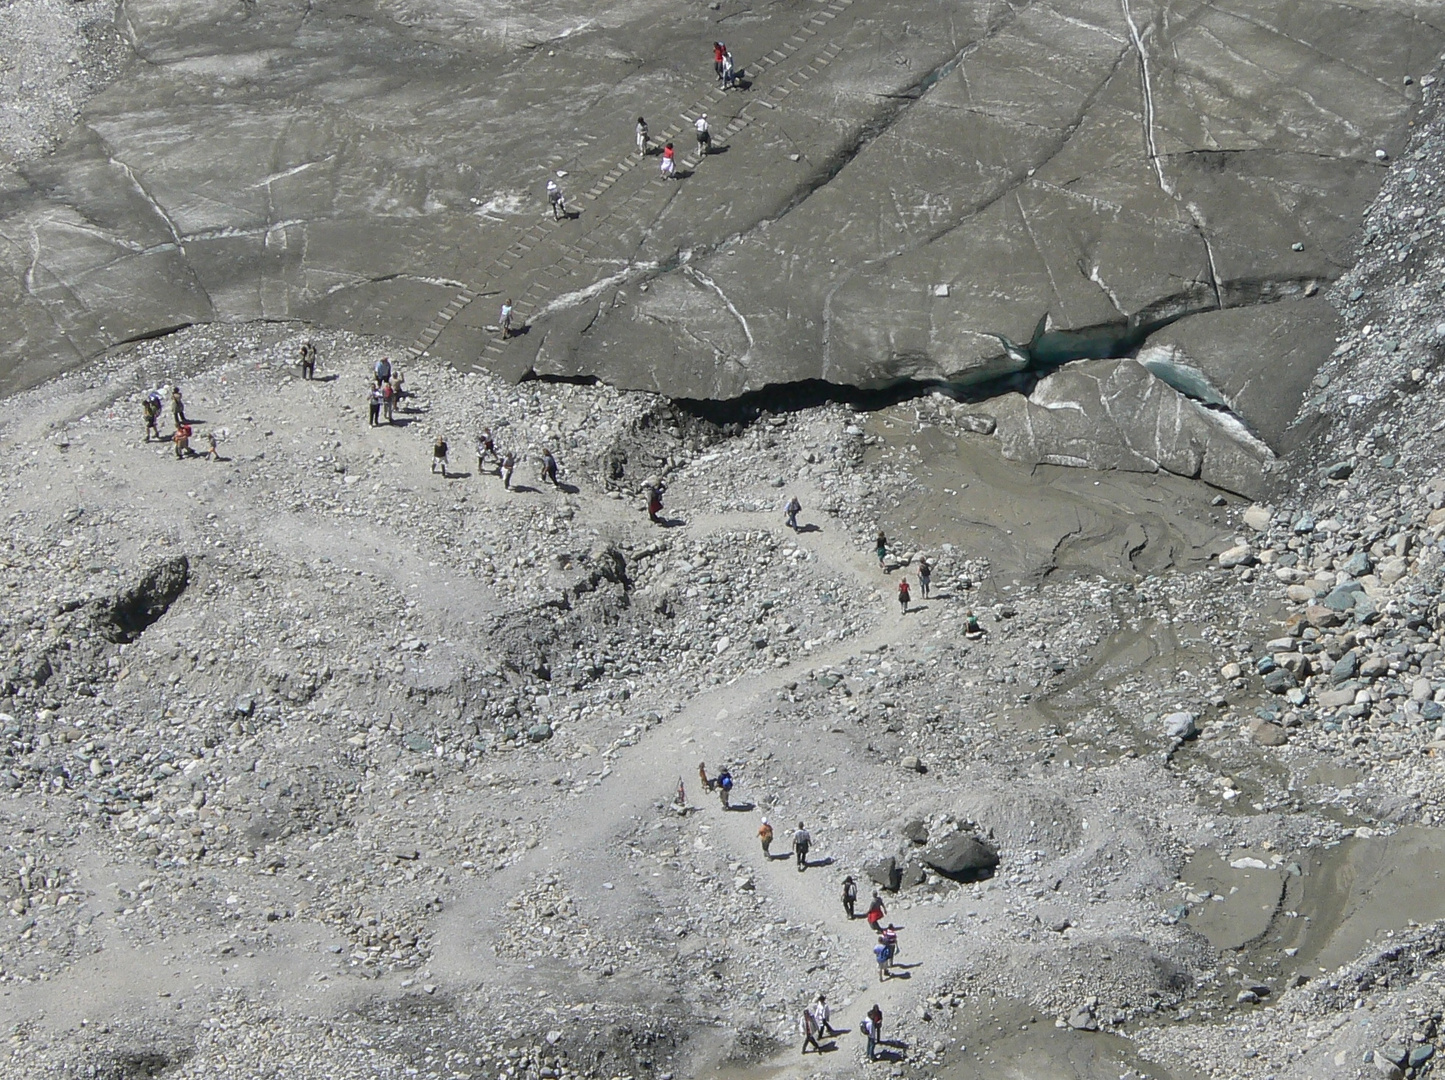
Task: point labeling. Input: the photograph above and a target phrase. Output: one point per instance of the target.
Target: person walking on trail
(669, 164)
(925, 577)
(213, 451)
(509, 462)
(889, 938)
(822, 1017)
(439, 455)
(869, 1033)
(557, 199)
(765, 837)
(704, 136)
(505, 319)
(388, 401)
(881, 546)
(182, 440)
(810, 1032)
(903, 595)
(874, 1029)
(876, 911)
(654, 501)
(850, 896)
(178, 407)
(729, 72)
(486, 448)
(382, 370)
(802, 841)
(151, 407)
(373, 405)
(308, 360)
(642, 139)
(549, 468)
(792, 509)
(680, 799)
(880, 954)
(719, 50)
(725, 786)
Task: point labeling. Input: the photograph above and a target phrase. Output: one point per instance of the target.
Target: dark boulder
(962, 857)
(126, 615)
(884, 872)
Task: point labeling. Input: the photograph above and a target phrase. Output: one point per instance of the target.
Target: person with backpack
(506, 318)
(182, 440)
(765, 837)
(850, 896)
(641, 137)
(880, 545)
(704, 136)
(903, 595)
(792, 509)
(873, 1028)
(725, 786)
(388, 400)
(729, 72)
(557, 199)
(151, 407)
(880, 954)
(810, 1032)
(308, 360)
(382, 370)
(486, 448)
(654, 501)
(802, 841)
(925, 576)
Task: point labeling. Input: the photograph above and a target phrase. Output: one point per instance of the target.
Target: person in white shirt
(704, 136)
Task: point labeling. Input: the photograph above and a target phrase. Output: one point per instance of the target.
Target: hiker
(792, 509)
(308, 360)
(178, 407)
(971, 629)
(654, 501)
(889, 940)
(876, 911)
(486, 447)
(880, 954)
(549, 468)
(802, 841)
(382, 370)
(641, 137)
(505, 471)
(903, 594)
(724, 786)
(388, 400)
(212, 450)
(397, 381)
(668, 165)
(850, 896)
(719, 50)
(881, 545)
(151, 407)
(765, 837)
(680, 799)
(557, 199)
(925, 577)
(810, 1032)
(729, 72)
(373, 404)
(506, 318)
(439, 455)
(822, 1015)
(707, 785)
(874, 1029)
(704, 136)
(870, 1033)
(182, 440)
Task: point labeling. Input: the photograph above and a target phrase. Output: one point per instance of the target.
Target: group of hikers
(815, 1023)
(151, 408)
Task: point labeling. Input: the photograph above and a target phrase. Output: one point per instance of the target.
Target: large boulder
(884, 872)
(962, 857)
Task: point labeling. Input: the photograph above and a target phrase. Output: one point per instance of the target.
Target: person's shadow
(894, 1054)
(810, 863)
(323, 378)
(568, 489)
(808, 528)
(670, 523)
(741, 807)
(774, 857)
(524, 488)
(453, 475)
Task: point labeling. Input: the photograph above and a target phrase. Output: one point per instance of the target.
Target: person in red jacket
(669, 163)
(719, 50)
(903, 595)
